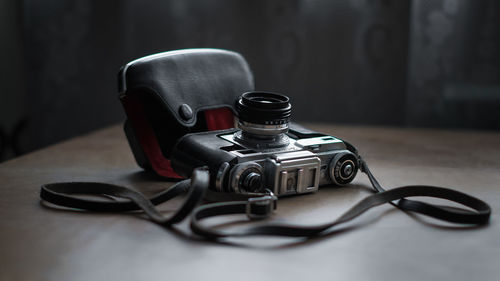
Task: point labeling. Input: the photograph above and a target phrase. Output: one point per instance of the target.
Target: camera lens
(264, 108)
(263, 119)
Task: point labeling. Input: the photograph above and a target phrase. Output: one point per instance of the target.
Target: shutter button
(185, 111)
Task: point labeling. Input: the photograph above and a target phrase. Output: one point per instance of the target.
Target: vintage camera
(266, 152)
(180, 108)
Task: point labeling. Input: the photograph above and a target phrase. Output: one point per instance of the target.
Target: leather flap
(190, 80)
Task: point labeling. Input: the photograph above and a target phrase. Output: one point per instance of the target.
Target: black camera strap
(260, 206)
(479, 214)
(63, 194)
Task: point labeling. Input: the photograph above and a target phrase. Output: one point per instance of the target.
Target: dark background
(412, 63)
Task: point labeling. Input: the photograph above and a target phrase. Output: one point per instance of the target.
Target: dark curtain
(432, 63)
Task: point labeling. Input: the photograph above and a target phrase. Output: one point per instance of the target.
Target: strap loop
(259, 208)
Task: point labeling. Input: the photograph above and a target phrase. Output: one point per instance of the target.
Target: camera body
(284, 158)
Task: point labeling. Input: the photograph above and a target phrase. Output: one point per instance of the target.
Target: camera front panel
(300, 167)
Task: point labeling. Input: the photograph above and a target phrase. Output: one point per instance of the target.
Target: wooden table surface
(44, 243)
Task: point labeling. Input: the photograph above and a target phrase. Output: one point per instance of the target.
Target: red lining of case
(219, 119)
(216, 119)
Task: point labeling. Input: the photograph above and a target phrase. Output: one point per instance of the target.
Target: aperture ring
(259, 129)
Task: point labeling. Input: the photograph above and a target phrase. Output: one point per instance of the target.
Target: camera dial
(246, 177)
(343, 168)
(251, 181)
(263, 119)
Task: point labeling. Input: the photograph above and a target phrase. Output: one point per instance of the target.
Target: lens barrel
(264, 108)
(263, 119)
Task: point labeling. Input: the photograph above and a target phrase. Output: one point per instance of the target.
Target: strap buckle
(258, 208)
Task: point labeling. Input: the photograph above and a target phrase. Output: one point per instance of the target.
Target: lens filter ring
(264, 108)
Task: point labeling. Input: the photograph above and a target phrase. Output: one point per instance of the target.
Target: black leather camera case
(170, 94)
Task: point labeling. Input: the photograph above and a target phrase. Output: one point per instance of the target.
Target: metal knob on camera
(343, 168)
(251, 181)
(246, 178)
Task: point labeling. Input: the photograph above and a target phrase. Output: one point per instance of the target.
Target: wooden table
(43, 243)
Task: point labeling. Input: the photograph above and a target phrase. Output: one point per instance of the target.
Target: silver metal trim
(304, 167)
(283, 182)
(219, 184)
(259, 129)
